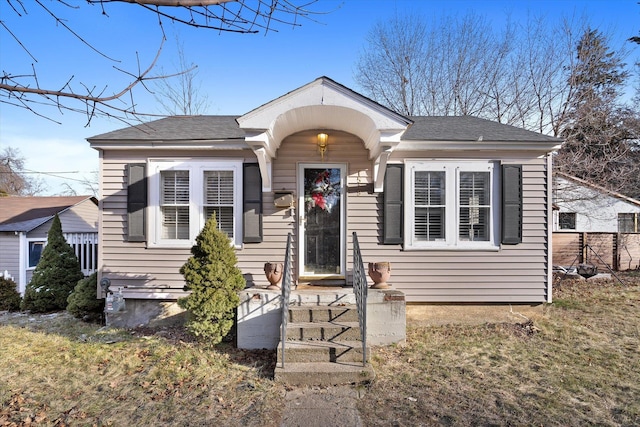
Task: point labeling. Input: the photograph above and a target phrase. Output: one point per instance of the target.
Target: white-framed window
(183, 194)
(450, 204)
(35, 252)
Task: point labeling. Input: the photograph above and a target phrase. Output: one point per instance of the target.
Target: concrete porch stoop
(323, 346)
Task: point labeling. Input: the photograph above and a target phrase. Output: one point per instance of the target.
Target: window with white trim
(35, 252)
(184, 194)
(450, 205)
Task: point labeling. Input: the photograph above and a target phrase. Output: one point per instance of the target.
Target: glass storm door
(321, 219)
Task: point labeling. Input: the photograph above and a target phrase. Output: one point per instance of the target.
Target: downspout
(549, 228)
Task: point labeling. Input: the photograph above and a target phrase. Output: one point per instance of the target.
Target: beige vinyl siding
(10, 254)
(514, 273)
(147, 272)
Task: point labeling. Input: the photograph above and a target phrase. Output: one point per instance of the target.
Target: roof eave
(211, 144)
(421, 145)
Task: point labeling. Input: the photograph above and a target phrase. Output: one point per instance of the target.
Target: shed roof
(26, 213)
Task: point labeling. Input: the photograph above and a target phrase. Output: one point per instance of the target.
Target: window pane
(429, 199)
(475, 211)
(429, 188)
(218, 198)
(35, 252)
(429, 224)
(627, 223)
(224, 217)
(567, 220)
(218, 187)
(175, 222)
(175, 187)
(174, 204)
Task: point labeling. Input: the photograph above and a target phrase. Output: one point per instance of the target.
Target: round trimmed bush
(83, 303)
(9, 296)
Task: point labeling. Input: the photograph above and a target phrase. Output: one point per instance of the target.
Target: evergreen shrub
(83, 303)
(55, 276)
(9, 296)
(213, 278)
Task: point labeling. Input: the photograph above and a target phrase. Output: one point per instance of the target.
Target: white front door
(321, 216)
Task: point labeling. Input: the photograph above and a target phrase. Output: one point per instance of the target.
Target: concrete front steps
(323, 347)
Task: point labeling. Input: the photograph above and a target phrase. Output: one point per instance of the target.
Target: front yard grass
(575, 364)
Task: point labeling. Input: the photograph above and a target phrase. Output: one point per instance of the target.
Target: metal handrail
(286, 292)
(360, 289)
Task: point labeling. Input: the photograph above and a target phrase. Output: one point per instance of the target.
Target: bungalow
(25, 222)
(458, 205)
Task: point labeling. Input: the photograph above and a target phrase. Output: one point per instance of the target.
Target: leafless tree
(22, 89)
(181, 95)
(463, 66)
(14, 180)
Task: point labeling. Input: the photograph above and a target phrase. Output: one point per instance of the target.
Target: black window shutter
(393, 206)
(252, 203)
(511, 204)
(136, 202)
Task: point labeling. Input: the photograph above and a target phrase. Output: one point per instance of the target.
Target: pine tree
(598, 129)
(83, 302)
(213, 278)
(55, 276)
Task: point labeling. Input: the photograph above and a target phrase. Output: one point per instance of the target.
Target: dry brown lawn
(576, 364)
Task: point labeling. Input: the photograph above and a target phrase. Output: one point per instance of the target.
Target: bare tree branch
(239, 16)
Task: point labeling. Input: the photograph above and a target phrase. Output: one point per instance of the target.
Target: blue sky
(236, 72)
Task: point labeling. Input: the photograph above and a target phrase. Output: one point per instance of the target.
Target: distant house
(594, 225)
(460, 206)
(25, 222)
(581, 206)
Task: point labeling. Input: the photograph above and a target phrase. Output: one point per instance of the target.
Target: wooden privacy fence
(619, 251)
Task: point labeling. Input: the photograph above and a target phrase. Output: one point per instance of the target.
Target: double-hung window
(184, 194)
(451, 205)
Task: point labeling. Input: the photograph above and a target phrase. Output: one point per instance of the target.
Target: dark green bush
(9, 296)
(212, 276)
(83, 302)
(55, 276)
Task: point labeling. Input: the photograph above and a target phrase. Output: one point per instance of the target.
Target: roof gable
(597, 188)
(27, 213)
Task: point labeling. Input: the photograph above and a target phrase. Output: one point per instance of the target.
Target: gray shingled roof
(26, 213)
(179, 128)
(468, 128)
(448, 128)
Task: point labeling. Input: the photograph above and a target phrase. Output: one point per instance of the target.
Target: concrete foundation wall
(260, 315)
(150, 313)
(258, 319)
